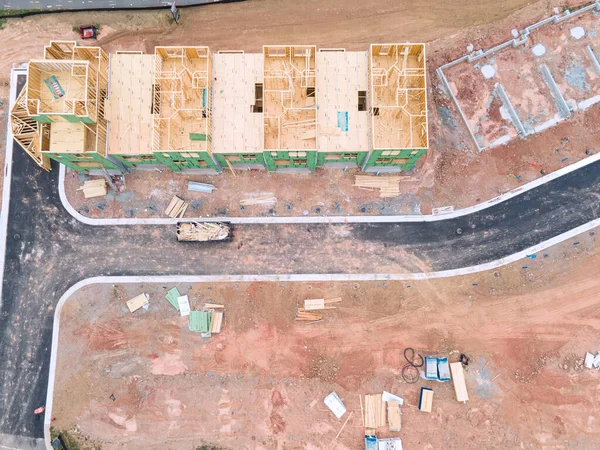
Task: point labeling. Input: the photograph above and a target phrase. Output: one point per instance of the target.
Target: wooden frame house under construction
(291, 108)
(181, 108)
(59, 114)
(399, 134)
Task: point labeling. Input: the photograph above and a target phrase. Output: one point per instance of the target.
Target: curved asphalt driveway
(48, 251)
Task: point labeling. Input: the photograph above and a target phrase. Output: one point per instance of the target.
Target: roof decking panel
(340, 77)
(236, 128)
(129, 108)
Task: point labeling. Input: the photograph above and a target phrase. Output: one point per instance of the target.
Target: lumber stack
(308, 313)
(176, 208)
(264, 200)
(306, 316)
(94, 188)
(216, 321)
(316, 304)
(375, 411)
(389, 186)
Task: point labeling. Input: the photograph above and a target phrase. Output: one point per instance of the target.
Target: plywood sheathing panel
(67, 137)
(129, 108)
(340, 75)
(236, 128)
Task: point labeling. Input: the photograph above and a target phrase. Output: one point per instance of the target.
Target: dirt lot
(324, 192)
(525, 329)
(450, 174)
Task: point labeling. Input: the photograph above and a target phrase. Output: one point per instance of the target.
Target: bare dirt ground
(525, 326)
(324, 192)
(450, 174)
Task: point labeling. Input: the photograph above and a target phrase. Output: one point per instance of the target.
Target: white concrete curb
(274, 277)
(329, 219)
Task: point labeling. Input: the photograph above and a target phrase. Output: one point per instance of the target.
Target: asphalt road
(96, 4)
(48, 251)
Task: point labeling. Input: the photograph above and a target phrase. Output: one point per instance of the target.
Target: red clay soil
(451, 173)
(251, 386)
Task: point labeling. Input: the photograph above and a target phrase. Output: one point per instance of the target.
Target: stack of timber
(216, 321)
(316, 304)
(207, 321)
(394, 419)
(375, 412)
(305, 316)
(264, 200)
(388, 186)
(308, 313)
(94, 188)
(176, 208)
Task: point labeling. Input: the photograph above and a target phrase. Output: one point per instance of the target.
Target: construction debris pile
(94, 188)
(207, 321)
(388, 186)
(202, 231)
(311, 305)
(381, 410)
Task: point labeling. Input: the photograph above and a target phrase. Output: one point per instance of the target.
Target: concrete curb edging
(329, 219)
(275, 277)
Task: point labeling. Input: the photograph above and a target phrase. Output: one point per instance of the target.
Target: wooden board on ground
(393, 412)
(94, 188)
(264, 200)
(308, 316)
(213, 306)
(458, 378)
(137, 302)
(375, 411)
(176, 208)
(426, 400)
(312, 304)
(216, 321)
(389, 186)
